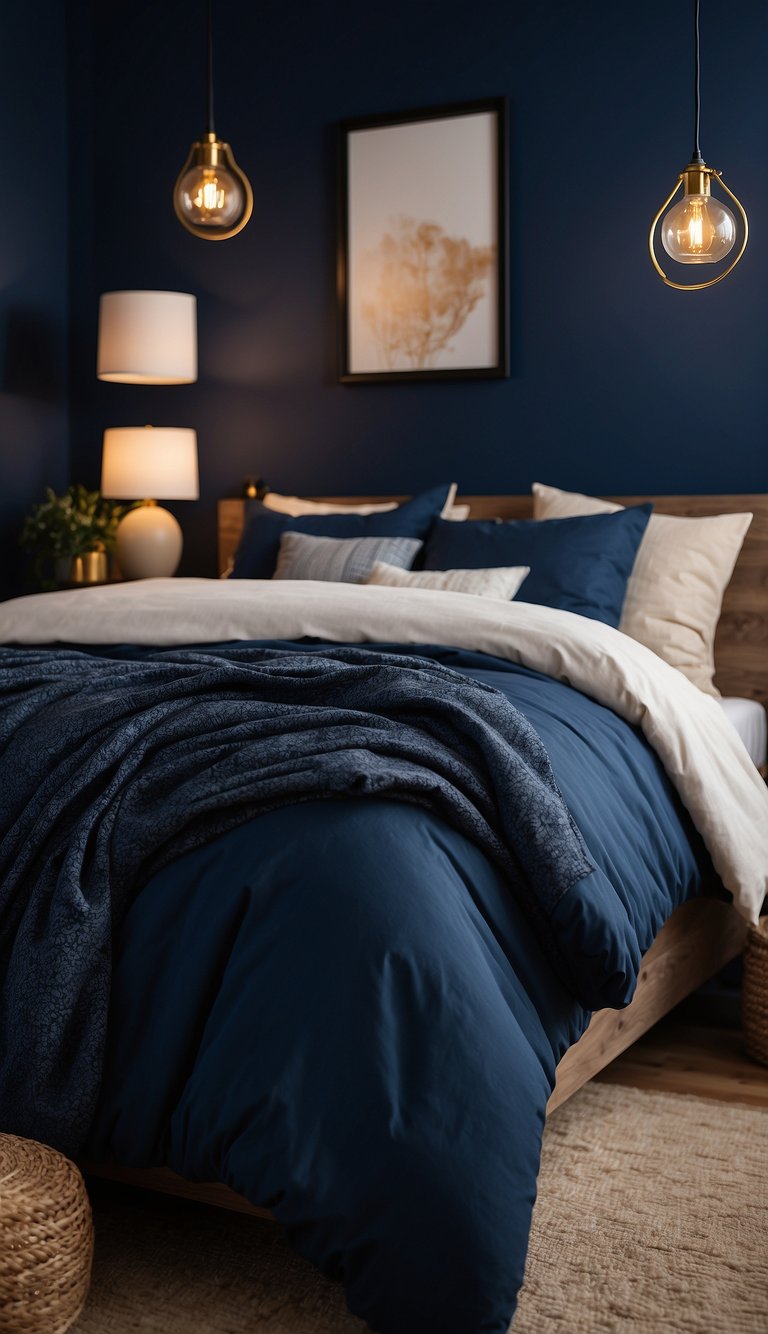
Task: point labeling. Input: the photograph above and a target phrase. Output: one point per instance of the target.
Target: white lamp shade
(149, 463)
(147, 337)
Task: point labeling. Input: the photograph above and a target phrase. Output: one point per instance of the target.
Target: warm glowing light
(209, 195)
(212, 197)
(698, 230)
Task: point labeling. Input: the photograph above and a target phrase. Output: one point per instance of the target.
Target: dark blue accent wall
(33, 269)
(617, 384)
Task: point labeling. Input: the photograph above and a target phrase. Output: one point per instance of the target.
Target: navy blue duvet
(340, 1011)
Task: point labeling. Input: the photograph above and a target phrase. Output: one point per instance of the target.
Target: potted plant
(72, 533)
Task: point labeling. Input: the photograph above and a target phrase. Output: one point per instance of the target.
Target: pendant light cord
(696, 83)
(211, 129)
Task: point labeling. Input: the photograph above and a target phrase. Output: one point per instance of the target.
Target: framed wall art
(422, 256)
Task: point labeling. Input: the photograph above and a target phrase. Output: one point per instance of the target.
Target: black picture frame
(352, 367)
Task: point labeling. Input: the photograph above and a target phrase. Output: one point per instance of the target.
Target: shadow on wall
(32, 430)
(33, 455)
(30, 360)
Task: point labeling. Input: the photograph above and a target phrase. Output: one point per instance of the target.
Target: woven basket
(46, 1239)
(754, 994)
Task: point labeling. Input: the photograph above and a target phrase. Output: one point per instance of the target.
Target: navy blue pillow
(579, 564)
(256, 556)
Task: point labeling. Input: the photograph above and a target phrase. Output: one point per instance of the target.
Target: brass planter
(90, 567)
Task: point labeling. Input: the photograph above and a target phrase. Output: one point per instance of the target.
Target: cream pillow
(296, 507)
(500, 582)
(676, 588)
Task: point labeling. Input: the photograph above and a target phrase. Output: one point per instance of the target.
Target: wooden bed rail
(697, 941)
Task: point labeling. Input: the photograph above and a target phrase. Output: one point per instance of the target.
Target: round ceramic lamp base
(149, 543)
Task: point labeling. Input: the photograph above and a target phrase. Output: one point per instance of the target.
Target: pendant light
(212, 196)
(698, 229)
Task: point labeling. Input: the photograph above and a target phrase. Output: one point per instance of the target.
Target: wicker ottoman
(46, 1239)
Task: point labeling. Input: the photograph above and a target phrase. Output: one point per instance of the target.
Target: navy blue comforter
(342, 1011)
(113, 768)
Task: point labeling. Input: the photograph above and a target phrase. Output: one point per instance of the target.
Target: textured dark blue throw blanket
(111, 769)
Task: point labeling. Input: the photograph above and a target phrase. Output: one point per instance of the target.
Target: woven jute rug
(652, 1217)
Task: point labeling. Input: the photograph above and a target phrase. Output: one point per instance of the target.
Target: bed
(375, 1187)
(699, 938)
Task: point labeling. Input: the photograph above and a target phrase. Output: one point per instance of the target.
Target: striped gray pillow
(341, 560)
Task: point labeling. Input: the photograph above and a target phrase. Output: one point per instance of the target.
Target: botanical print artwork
(422, 260)
(417, 289)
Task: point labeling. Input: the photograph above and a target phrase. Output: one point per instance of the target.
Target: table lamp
(147, 338)
(139, 462)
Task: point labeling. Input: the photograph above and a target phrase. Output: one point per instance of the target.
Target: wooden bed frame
(702, 935)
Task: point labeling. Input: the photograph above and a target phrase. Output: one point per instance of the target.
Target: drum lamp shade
(149, 462)
(147, 338)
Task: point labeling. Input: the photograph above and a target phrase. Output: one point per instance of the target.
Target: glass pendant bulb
(212, 196)
(698, 229)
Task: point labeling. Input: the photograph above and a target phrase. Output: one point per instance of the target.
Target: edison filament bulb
(698, 230)
(212, 196)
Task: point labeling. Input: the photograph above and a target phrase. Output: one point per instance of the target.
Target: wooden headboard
(741, 647)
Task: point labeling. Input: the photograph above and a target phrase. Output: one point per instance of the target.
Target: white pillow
(500, 582)
(296, 508)
(675, 591)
